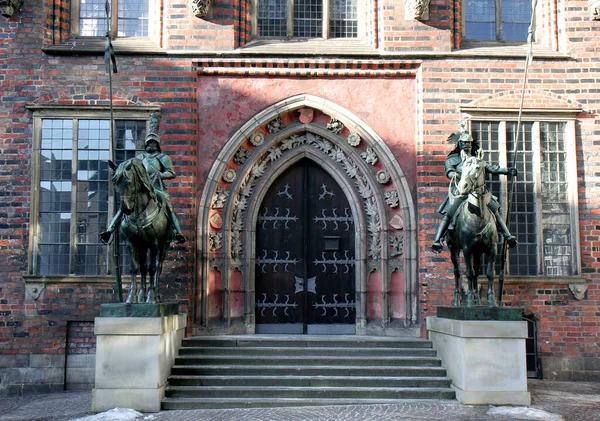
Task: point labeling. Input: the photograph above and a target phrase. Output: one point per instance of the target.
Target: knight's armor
(450, 205)
(159, 167)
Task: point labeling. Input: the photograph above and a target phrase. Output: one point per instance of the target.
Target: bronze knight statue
(466, 147)
(159, 167)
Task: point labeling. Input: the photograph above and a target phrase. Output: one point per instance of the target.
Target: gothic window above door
(287, 19)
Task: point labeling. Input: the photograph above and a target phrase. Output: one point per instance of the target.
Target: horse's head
(132, 180)
(472, 175)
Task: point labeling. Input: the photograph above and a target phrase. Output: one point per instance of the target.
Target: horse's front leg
(132, 297)
(469, 266)
(454, 256)
(476, 271)
(152, 271)
(143, 275)
(489, 272)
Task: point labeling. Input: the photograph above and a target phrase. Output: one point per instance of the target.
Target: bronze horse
(145, 227)
(474, 233)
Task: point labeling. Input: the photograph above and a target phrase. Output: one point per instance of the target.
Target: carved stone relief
(241, 155)
(391, 198)
(325, 147)
(229, 175)
(215, 240)
(396, 245)
(200, 8)
(275, 125)
(8, 8)
(335, 126)
(354, 139)
(416, 9)
(578, 291)
(370, 156)
(219, 198)
(383, 176)
(595, 10)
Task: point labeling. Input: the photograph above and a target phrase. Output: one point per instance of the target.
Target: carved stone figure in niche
(219, 198)
(335, 126)
(200, 8)
(416, 9)
(467, 147)
(370, 156)
(276, 125)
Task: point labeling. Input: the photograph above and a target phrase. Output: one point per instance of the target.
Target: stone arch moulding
(307, 126)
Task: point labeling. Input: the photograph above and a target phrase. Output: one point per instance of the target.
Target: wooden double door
(305, 267)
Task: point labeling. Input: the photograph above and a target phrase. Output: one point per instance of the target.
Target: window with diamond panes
(307, 18)
(543, 195)
(497, 20)
(131, 18)
(74, 192)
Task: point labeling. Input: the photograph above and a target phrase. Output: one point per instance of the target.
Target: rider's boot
(105, 236)
(176, 228)
(511, 240)
(437, 242)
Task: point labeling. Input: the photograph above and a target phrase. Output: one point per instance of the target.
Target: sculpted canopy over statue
(159, 168)
(466, 147)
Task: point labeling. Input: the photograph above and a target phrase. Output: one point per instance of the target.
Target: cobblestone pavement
(574, 401)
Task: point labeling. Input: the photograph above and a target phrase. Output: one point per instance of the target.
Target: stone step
(316, 381)
(287, 392)
(306, 352)
(272, 402)
(307, 370)
(301, 341)
(341, 360)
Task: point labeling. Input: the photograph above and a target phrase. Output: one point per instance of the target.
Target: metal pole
(109, 55)
(528, 60)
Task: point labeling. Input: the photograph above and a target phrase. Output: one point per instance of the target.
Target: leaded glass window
(131, 18)
(307, 18)
(544, 194)
(497, 20)
(74, 192)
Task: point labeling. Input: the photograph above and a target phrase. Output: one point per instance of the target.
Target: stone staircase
(281, 370)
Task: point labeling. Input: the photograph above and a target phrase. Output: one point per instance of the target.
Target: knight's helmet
(153, 132)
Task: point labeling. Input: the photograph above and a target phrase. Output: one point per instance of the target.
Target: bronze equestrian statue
(471, 216)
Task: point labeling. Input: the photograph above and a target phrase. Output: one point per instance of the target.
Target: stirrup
(437, 247)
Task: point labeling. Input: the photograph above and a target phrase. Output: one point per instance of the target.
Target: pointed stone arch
(310, 127)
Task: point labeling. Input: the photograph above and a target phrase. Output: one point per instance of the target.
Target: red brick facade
(410, 83)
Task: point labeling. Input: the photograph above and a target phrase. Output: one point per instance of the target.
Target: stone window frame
(66, 112)
(538, 116)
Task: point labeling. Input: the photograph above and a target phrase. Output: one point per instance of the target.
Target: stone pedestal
(134, 356)
(484, 358)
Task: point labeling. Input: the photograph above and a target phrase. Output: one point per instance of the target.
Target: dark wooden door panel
(305, 271)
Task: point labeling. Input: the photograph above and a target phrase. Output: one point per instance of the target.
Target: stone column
(484, 358)
(134, 356)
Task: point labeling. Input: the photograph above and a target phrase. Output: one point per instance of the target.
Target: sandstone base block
(485, 359)
(134, 356)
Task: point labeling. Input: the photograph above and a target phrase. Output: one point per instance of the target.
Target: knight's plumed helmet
(153, 132)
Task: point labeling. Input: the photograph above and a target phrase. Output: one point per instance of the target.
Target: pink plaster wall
(385, 105)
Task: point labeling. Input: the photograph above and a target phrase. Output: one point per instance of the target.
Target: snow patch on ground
(525, 413)
(115, 414)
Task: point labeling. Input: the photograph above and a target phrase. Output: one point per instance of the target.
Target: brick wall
(35, 315)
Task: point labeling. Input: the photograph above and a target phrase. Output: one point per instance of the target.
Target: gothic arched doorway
(305, 275)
